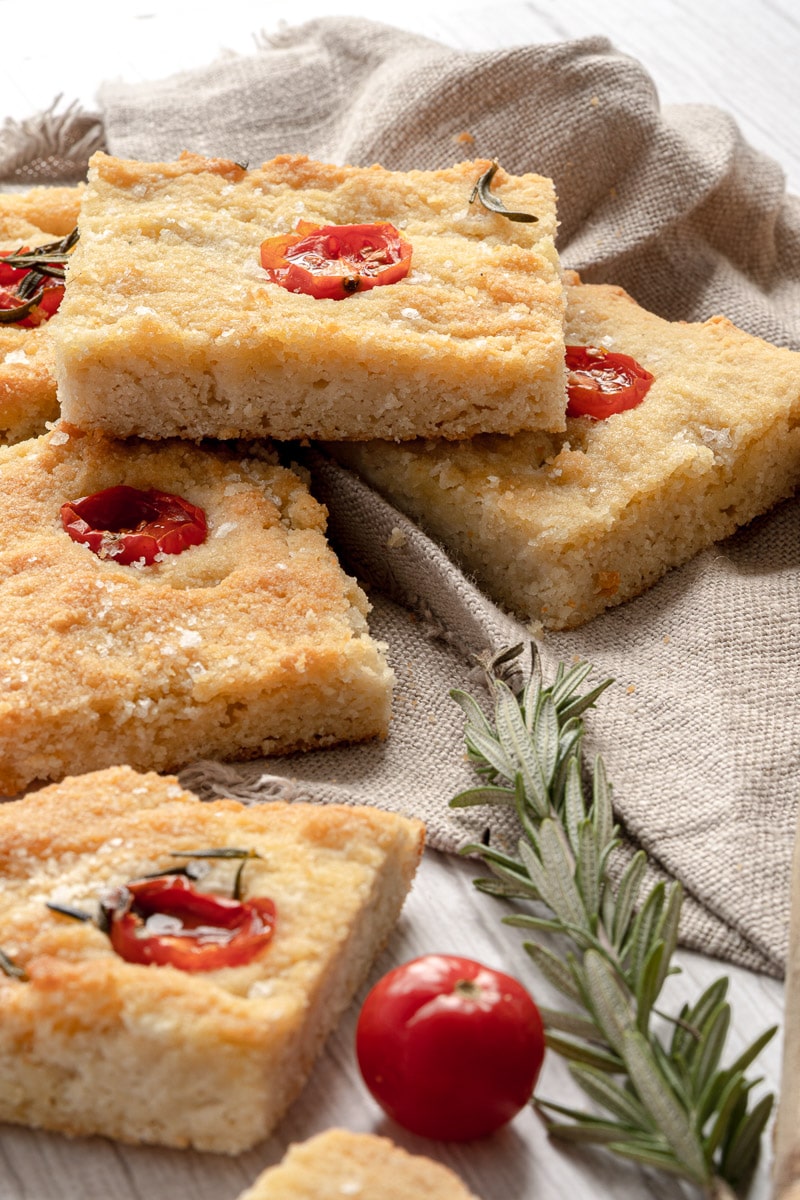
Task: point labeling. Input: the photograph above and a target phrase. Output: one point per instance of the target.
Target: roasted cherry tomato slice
(48, 300)
(600, 383)
(331, 262)
(127, 525)
(167, 922)
(449, 1048)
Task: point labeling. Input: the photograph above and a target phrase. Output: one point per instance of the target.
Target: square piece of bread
(93, 1044)
(254, 642)
(560, 527)
(171, 326)
(27, 380)
(338, 1163)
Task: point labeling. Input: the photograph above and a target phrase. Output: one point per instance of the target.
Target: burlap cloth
(701, 731)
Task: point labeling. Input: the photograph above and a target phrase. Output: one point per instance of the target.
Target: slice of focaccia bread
(253, 642)
(560, 527)
(27, 381)
(338, 1163)
(171, 326)
(92, 1042)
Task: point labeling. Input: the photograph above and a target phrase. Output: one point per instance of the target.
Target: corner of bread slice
(93, 1044)
(340, 1163)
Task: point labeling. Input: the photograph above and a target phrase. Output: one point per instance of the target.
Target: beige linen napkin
(701, 731)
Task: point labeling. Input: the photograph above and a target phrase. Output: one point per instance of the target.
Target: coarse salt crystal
(225, 528)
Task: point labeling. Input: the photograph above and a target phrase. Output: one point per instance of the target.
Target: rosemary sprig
(669, 1103)
(493, 203)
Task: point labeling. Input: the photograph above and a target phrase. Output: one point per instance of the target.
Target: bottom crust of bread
(92, 1044)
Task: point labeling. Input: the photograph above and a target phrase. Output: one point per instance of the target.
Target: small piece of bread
(171, 326)
(560, 527)
(27, 381)
(336, 1164)
(254, 642)
(93, 1044)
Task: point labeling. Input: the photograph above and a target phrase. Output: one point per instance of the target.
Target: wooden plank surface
(741, 56)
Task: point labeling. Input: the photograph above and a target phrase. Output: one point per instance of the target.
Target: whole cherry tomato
(197, 931)
(128, 525)
(332, 262)
(600, 383)
(449, 1048)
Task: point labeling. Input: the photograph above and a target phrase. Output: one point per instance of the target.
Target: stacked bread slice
(560, 526)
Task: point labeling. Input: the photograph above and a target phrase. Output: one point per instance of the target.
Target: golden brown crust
(49, 211)
(254, 642)
(338, 1163)
(93, 1044)
(559, 527)
(171, 326)
(125, 173)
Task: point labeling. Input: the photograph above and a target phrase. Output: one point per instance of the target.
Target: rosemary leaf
(219, 852)
(687, 1035)
(483, 795)
(648, 1156)
(710, 1047)
(586, 1131)
(10, 968)
(742, 1150)
(627, 896)
(660, 1101)
(66, 910)
(648, 986)
(568, 1022)
(494, 203)
(728, 1099)
(587, 877)
(574, 809)
(553, 969)
(567, 684)
(579, 706)
(520, 750)
(610, 1095)
(585, 1053)
(472, 710)
(611, 1006)
(645, 929)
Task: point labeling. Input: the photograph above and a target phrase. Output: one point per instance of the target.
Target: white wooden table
(742, 56)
